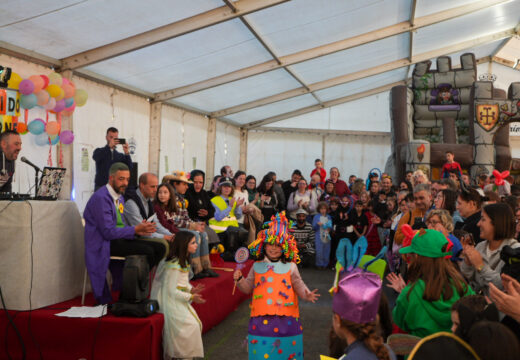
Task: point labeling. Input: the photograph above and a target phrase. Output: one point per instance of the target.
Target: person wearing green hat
(423, 307)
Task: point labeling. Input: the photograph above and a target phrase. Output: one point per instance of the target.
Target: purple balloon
(26, 87)
(60, 105)
(66, 137)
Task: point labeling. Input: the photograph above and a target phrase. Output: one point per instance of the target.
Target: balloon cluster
(54, 93)
(48, 133)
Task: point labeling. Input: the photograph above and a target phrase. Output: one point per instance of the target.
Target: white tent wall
(282, 152)
(227, 147)
(183, 140)
(356, 154)
(366, 114)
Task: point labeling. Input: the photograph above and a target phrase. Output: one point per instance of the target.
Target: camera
(419, 224)
(121, 141)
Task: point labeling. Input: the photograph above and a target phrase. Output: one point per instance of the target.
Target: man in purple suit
(106, 233)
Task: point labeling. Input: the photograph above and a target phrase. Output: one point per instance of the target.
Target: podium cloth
(42, 240)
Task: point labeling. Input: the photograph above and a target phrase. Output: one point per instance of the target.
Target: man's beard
(120, 189)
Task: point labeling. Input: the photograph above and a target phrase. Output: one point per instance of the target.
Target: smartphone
(151, 218)
(121, 141)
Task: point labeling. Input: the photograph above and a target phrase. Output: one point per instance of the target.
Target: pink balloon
(69, 90)
(43, 97)
(51, 104)
(26, 87)
(64, 81)
(60, 105)
(66, 137)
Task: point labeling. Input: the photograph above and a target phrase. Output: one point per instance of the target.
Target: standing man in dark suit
(108, 155)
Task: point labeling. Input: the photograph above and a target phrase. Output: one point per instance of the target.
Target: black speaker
(133, 175)
(135, 279)
(142, 309)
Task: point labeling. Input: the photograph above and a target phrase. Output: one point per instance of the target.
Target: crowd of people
(450, 245)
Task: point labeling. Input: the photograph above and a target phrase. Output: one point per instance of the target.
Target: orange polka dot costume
(275, 331)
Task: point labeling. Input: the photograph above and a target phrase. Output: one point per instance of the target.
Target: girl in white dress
(182, 330)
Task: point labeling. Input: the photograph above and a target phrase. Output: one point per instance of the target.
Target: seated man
(106, 233)
(304, 236)
(139, 206)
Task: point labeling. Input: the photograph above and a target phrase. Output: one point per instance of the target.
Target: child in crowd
(355, 306)
(320, 171)
(359, 220)
(330, 191)
(424, 305)
(372, 235)
(450, 165)
(322, 225)
(172, 289)
(275, 330)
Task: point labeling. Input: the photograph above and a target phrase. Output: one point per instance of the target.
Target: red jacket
(323, 176)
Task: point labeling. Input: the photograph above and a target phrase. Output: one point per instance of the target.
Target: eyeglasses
(432, 222)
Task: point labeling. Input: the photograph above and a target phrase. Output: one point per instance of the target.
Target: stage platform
(109, 337)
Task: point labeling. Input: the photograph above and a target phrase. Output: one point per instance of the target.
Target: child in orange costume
(275, 330)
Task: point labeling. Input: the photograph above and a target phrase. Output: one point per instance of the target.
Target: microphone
(24, 159)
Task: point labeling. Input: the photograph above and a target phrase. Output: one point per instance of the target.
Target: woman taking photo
(482, 263)
(469, 203)
(268, 198)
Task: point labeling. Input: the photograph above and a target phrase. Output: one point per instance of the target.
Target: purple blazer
(100, 227)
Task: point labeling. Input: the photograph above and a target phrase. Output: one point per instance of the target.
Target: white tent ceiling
(255, 62)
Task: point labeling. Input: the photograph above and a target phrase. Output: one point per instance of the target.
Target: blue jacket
(104, 158)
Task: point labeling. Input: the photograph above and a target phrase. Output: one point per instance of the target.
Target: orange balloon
(21, 128)
(52, 128)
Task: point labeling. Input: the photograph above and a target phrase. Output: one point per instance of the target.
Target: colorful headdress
(277, 233)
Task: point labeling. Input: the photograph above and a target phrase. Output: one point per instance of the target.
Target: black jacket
(199, 200)
(104, 159)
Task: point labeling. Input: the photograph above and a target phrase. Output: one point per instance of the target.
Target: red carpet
(111, 337)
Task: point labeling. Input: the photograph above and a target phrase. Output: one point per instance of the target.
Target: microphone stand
(36, 183)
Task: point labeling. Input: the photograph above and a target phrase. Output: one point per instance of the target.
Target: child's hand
(198, 289)
(197, 299)
(396, 282)
(312, 296)
(237, 275)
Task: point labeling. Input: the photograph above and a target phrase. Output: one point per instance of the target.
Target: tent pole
(154, 146)
(210, 151)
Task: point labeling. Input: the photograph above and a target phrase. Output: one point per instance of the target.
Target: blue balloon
(36, 127)
(42, 139)
(28, 101)
(69, 102)
(55, 140)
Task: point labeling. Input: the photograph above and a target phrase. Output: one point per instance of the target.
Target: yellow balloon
(54, 90)
(55, 78)
(80, 97)
(14, 81)
(61, 95)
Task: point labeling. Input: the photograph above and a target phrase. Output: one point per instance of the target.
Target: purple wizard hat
(357, 297)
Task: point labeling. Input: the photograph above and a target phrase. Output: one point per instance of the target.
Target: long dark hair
(502, 218)
(179, 248)
(261, 187)
(237, 174)
(439, 277)
(171, 206)
(450, 200)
